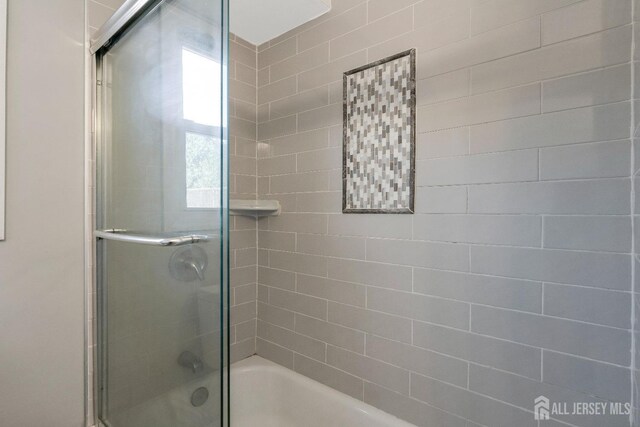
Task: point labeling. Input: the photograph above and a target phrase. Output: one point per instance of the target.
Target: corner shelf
(254, 208)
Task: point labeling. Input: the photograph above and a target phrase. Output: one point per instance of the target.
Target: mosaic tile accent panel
(379, 136)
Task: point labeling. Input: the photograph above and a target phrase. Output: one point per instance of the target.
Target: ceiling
(258, 21)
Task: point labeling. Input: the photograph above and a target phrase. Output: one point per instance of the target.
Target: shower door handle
(145, 239)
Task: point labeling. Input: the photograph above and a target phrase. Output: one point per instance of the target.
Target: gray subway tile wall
(513, 279)
(243, 166)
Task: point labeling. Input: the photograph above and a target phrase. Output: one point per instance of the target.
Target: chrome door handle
(145, 239)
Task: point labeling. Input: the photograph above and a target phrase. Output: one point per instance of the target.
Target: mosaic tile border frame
(412, 108)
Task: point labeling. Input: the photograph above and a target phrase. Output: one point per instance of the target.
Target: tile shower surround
(514, 277)
(243, 185)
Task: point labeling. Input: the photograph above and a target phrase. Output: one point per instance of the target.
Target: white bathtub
(264, 394)
(174, 408)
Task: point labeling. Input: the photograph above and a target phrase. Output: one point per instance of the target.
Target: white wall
(41, 261)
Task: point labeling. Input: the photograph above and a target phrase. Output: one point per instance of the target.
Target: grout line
(468, 375)
(540, 18)
(541, 86)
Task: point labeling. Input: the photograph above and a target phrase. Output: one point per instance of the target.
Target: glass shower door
(161, 193)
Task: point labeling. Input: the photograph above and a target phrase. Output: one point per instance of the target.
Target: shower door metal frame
(120, 22)
(100, 366)
(122, 18)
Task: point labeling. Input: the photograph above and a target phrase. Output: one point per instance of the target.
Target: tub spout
(190, 361)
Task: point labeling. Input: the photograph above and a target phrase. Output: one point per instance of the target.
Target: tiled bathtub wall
(243, 185)
(513, 278)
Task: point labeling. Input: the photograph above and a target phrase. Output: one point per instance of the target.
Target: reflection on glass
(201, 88)
(201, 112)
(203, 171)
